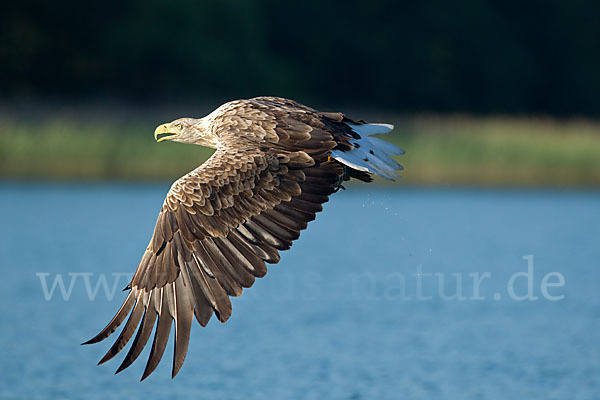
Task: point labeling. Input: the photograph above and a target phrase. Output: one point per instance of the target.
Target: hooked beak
(165, 132)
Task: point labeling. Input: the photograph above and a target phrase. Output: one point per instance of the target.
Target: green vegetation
(453, 150)
(438, 55)
(496, 151)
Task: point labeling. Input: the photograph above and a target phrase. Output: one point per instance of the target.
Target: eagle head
(186, 130)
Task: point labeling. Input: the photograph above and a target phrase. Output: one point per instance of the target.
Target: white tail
(371, 154)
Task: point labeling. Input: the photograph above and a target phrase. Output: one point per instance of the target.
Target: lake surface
(366, 304)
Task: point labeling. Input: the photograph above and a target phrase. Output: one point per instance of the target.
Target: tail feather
(371, 154)
(371, 129)
(386, 147)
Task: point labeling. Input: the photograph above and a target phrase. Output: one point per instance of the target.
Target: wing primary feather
(184, 313)
(202, 309)
(160, 271)
(142, 336)
(142, 268)
(161, 336)
(214, 293)
(127, 332)
(148, 279)
(116, 321)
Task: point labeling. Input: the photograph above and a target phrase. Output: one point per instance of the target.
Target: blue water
(351, 311)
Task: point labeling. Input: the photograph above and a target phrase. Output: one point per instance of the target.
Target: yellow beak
(167, 130)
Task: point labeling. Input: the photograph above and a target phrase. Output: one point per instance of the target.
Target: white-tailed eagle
(276, 162)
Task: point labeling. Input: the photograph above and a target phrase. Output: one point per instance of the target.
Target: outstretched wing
(218, 227)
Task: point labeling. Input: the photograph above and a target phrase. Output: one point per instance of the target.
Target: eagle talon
(338, 187)
(341, 179)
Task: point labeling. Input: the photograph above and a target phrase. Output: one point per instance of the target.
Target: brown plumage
(276, 163)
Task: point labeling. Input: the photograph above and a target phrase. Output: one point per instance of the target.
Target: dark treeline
(433, 55)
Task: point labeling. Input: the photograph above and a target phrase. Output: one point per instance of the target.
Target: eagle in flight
(276, 162)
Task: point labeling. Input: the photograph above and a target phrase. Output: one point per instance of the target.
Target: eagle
(276, 163)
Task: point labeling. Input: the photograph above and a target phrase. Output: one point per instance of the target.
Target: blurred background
(481, 92)
(496, 103)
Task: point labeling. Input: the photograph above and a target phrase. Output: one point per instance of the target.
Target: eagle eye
(179, 126)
